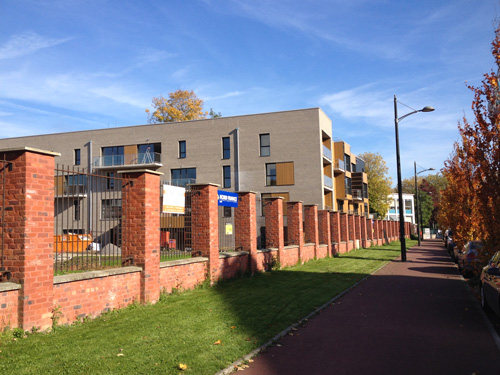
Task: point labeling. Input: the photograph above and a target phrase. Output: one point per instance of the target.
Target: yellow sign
(229, 228)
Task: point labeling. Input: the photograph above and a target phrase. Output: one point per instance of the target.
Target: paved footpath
(414, 317)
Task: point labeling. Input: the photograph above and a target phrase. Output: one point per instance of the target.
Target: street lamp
(418, 214)
(398, 164)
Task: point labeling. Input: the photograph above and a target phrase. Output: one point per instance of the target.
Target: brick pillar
(364, 232)
(275, 238)
(29, 229)
(205, 225)
(141, 220)
(351, 231)
(335, 231)
(344, 234)
(376, 233)
(357, 234)
(295, 226)
(312, 226)
(324, 229)
(245, 217)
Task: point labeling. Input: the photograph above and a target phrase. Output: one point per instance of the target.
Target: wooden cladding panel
(130, 154)
(284, 173)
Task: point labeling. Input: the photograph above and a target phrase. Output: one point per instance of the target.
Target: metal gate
(5, 166)
(88, 225)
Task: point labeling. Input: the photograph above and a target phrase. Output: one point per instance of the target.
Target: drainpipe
(237, 161)
(89, 187)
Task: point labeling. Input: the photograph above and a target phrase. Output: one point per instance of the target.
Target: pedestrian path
(414, 317)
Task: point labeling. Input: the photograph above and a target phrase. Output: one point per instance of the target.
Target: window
(226, 176)
(348, 185)
(111, 209)
(265, 144)
(149, 153)
(77, 156)
(271, 174)
(226, 148)
(278, 174)
(365, 190)
(228, 212)
(183, 176)
(76, 205)
(182, 149)
(347, 162)
(113, 155)
(110, 181)
(408, 208)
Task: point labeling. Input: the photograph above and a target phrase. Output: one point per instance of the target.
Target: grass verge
(207, 328)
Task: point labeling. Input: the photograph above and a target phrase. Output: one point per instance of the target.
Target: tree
(182, 105)
(470, 204)
(379, 184)
(214, 114)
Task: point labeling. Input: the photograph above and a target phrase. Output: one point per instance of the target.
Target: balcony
(132, 161)
(339, 166)
(328, 182)
(357, 195)
(327, 153)
(71, 191)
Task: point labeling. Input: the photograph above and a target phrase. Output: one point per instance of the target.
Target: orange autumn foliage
(181, 105)
(470, 204)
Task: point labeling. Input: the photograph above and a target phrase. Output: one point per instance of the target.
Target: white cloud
(26, 44)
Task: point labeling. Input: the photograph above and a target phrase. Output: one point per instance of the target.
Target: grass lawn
(185, 327)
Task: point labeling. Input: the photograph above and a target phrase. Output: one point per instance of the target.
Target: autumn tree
(181, 105)
(470, 204)
(379, 184)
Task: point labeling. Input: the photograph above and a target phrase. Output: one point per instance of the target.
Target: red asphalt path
(414, 317)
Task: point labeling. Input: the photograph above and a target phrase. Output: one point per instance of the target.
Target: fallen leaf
(217, 342)
(120, 355)
(233, 327)
(182, 366)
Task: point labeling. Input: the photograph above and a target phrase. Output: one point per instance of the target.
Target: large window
(111, 209)
(278, 174)
(182, 149)
(113, 155)
(348, 185)
(149, 153)
(183, 176)
(408, 206)
(265, 144)
(365, 190)
(347, 162)
(226, 148)
(226, 176)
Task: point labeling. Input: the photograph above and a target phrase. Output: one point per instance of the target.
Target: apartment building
(287, 154)
(409, 208)
(351, 180)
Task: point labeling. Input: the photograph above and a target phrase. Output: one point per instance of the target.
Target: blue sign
(227, 199)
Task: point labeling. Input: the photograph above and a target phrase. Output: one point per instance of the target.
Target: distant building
(409, 208)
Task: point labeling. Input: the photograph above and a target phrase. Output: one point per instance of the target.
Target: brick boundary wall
(29, 298)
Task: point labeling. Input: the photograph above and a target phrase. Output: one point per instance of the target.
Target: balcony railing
(357, 194)
(339, 165)
(327, 153)
(328, 181)
(140, 159)
(71, 190)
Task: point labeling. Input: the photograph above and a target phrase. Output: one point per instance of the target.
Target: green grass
(183, 327)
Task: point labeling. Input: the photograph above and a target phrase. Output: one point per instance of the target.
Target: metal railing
(144, 158)
(5, 166)
(357, 194)
(176, 230)
(328, 181)
(327, 153)
(339, 165)
(88, 220)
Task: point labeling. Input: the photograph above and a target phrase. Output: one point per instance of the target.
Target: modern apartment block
(287, 154)
(409, 208)
(351, 180)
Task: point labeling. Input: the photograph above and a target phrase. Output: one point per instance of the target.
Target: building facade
(409, 208)
(351, 180)
(289, 154)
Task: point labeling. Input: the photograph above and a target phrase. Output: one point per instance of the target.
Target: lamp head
(427, 109)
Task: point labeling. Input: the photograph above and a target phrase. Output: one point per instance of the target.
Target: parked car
(490, 284)
(469, 258)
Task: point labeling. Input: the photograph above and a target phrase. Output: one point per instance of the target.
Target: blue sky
(70, 65)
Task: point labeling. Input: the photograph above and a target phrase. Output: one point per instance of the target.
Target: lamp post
(398, 165)
(418, 214)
